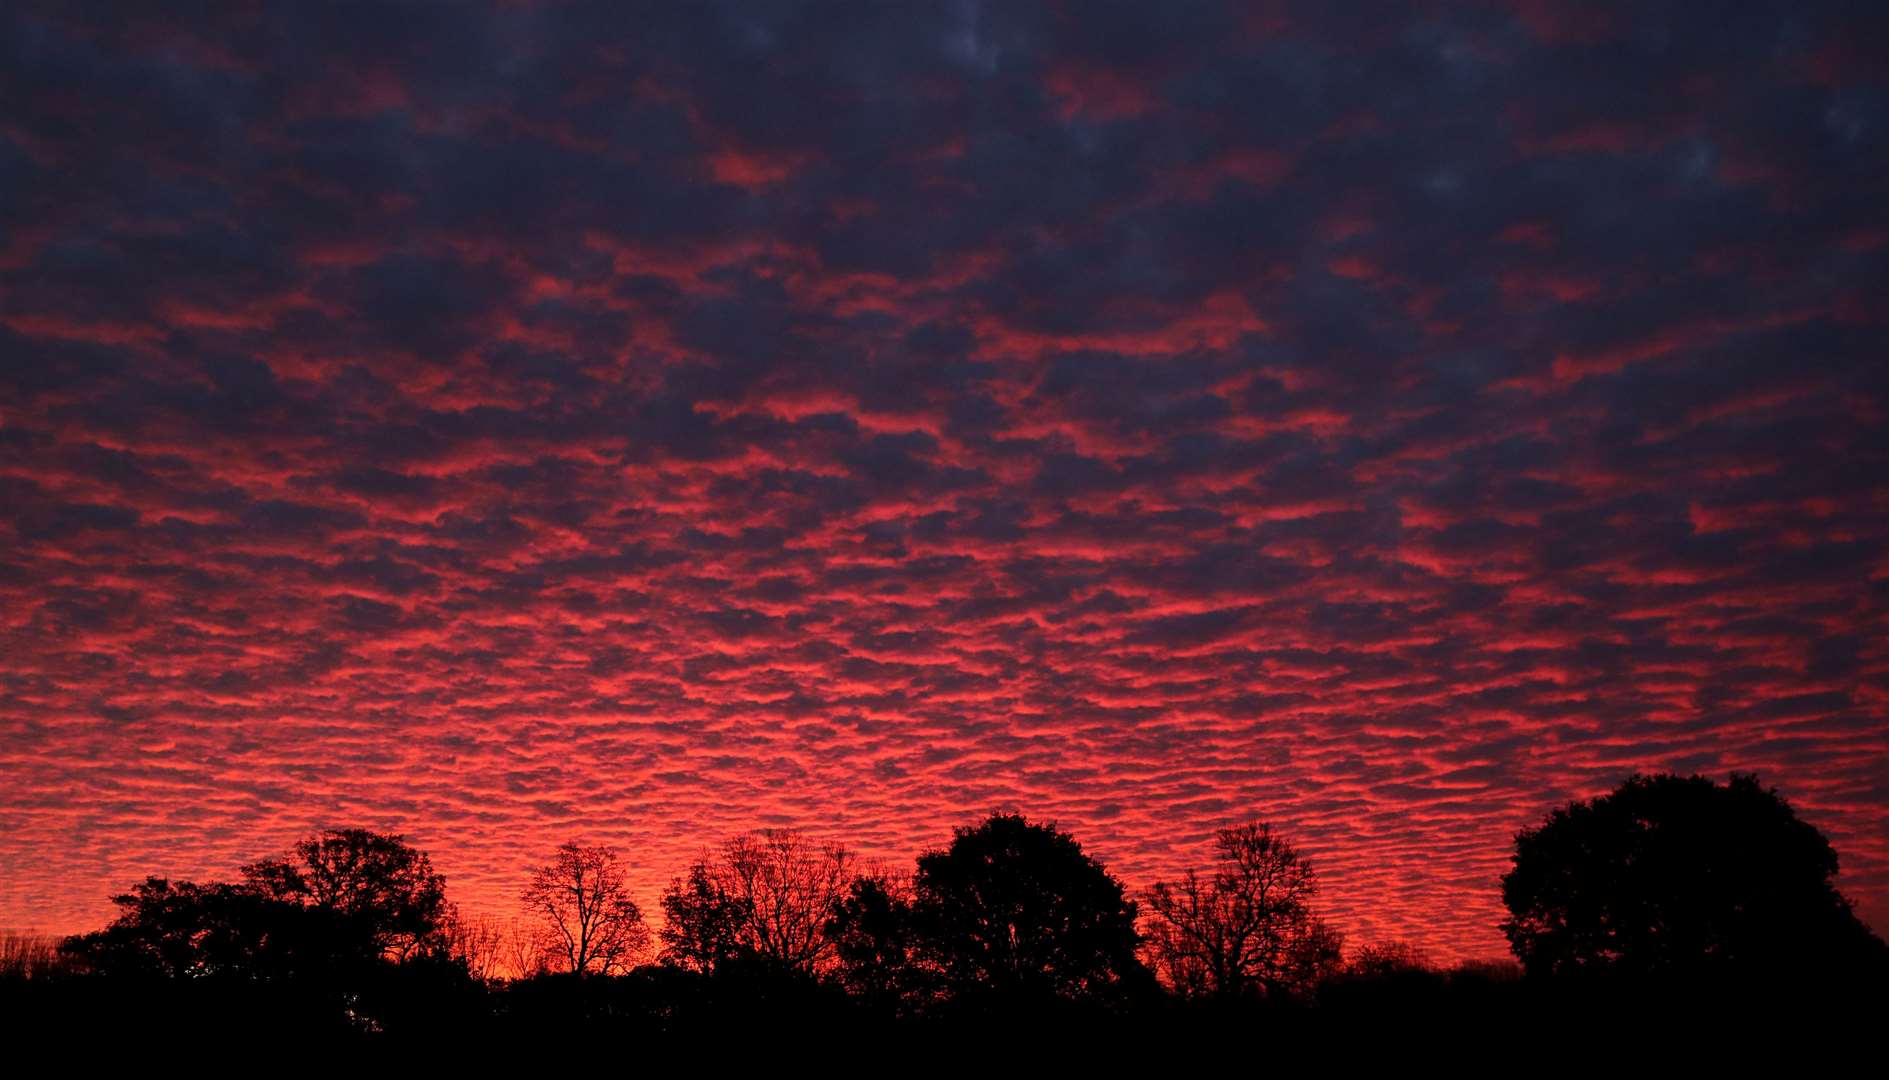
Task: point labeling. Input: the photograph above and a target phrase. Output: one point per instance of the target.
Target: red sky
(558, 421)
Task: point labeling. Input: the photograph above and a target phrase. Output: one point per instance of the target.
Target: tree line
(1666, 881)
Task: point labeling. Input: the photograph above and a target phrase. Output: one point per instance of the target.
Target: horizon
(646, 885)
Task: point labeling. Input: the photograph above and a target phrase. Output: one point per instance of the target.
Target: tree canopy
(185, 930)
(704, 928)
(873, 941)
(1016, 909)
(340, 900)
(378, 881)
(1679, 875)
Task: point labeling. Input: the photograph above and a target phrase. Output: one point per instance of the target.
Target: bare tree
(768, 895)
(585, 911)
(789, 886)
(1249, 927)
(478, 942)
(522, 949)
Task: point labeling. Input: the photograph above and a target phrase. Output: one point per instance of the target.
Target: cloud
(645, 424)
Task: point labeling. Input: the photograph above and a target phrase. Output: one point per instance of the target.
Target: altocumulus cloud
(650, 422)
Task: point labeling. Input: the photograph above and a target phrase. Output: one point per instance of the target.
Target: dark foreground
(1419, 1015)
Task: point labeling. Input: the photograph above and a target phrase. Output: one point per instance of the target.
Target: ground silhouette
(1667, 910)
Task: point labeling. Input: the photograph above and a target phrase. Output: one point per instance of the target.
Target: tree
(337, 905)
(348, 934)
(182, 930)
(703, 926)
(1018, 910)
(376, 881)
(872, 933)
(1671, 875)
(788, 887)
(1388, 960)
(765, 898)
(1249, 927)
(522, 949)
(478, 944)
(584, 909)
(262, 966)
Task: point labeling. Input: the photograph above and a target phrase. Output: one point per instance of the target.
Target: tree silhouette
(181, 953)
(341, 901)
(584, 910)
(375, 881)
(873, 938)
(1011, 928)
(788, 887)
(327, 912)
(1388, 960)
(1248, 927)
(182, 930)
(1671, 875)
(523, 949)
(703, 927)
(346, 937)
(478, 943)
(1017, 910)
(765, 898)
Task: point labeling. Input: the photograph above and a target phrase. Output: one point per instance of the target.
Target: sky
(643, 423)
